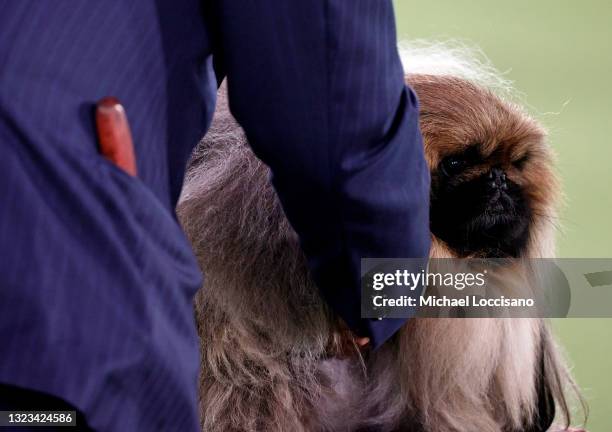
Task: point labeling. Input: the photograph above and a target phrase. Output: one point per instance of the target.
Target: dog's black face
(477, 209)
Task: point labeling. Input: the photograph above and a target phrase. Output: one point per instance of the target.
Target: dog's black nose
(497, 179)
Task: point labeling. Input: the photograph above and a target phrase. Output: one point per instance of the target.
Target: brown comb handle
(114, 134)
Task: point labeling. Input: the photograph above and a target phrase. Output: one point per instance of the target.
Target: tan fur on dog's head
(458, 116)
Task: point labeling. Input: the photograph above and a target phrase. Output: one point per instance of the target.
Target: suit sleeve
(318, 88)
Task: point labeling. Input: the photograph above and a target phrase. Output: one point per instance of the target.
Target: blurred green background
(558, 54)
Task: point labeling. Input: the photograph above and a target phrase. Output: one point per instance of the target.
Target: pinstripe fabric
(96, 278)
(319, 89)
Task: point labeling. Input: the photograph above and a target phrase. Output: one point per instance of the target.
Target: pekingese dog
(275, 358)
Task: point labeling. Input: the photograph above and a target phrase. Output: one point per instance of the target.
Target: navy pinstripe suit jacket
(96, 277)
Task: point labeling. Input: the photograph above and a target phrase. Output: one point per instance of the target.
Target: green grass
(558, 54)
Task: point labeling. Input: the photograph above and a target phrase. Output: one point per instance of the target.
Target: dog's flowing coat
(274, 356)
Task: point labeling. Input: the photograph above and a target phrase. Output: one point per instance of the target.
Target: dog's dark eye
(520, 163)
(452, 165)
